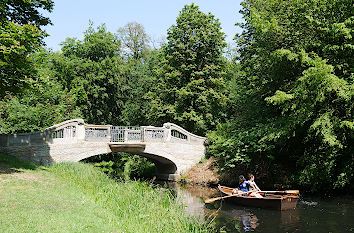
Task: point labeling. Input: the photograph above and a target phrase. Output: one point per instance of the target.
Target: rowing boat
(268, 200)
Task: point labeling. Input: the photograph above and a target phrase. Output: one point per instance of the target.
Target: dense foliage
(293, 98)
(190, 88)
(37, 107)
(91, 71)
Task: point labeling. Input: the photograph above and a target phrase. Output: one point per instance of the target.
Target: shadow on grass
(10, 164)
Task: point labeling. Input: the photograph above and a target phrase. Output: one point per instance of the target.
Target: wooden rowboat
(269, 200)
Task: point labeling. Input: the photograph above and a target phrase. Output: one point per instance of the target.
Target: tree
(92, 71)
(140, 77)
(42, 104)
(190, 85)
(294, 94)
(134, 40)
(20, 36)
(24, 12)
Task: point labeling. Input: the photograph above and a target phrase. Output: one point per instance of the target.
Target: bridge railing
(126, 134)
(97, 132)
(137, 134)
(168, 133)
(153, 134)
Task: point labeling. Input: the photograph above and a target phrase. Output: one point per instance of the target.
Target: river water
(311, 215)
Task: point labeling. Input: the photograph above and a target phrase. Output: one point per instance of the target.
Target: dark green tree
(190, 87)
(141, 79)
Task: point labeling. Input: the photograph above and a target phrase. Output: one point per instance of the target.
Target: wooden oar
(207, 201)
(220, 198)
(285, 192)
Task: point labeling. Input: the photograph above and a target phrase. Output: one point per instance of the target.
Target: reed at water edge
(136, 206)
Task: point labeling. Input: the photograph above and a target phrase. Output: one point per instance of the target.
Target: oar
(207, 201)
(219, 198)
(285, 192)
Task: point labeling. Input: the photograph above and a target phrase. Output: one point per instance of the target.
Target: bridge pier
(172, 148)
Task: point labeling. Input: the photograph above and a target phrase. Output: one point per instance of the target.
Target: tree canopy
(134, 40)
(190, 87)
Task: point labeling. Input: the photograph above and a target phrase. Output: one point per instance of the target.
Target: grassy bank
(75, 197)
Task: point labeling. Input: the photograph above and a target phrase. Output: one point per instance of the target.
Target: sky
(71, 18)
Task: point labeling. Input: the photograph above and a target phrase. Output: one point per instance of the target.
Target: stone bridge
(173, 149)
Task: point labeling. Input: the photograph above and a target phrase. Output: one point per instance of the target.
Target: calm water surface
(311, 215)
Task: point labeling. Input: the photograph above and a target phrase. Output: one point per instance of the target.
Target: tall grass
(135, 206)
(33, 199)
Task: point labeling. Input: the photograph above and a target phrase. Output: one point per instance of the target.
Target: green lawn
(76, 197)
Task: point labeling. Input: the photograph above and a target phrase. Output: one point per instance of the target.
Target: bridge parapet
(97, 132)
(138, 134)
(180, 135)
(168, 133)
(64, 132)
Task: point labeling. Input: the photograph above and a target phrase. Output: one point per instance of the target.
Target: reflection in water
(329, 215)
(310, 203)
(192, 198)
(250, 222)
(193, 204)
(238, 218)
(247, 220)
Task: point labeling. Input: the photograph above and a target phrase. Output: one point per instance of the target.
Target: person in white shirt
(253, 185)
(253, 188)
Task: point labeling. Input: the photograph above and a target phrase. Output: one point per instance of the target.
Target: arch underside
(163, 165)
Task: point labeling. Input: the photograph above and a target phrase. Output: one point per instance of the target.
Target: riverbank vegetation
(77, 197)
(278, 104)
(292, 117)
(124, 166)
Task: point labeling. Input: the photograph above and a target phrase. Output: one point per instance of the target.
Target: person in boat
(243, 186)
(253, 188)
(253, 185)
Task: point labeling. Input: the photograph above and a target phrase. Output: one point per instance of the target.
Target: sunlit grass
(76, 197)
(137, 206)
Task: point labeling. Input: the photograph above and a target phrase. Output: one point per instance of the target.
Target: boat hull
(270, 201)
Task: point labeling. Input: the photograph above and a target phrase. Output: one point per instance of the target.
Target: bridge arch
(164, 166)
(174, 149)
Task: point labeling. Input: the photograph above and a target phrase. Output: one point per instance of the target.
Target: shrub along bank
(76, 197)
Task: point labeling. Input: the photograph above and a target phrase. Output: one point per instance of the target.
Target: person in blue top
(243, 186)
